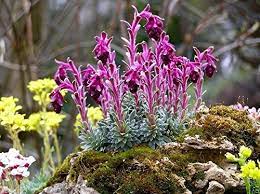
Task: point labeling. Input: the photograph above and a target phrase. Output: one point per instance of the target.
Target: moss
(199, 175)
(239, 116)
(62, 171)
(182, 158)
(216, 126)
(138, 170)
(86, 163)
(192, 131)
(144, 183)
(223, 121)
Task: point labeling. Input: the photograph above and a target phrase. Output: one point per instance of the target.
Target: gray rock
(196, 143)
(215, 188)
(64, 188)
(211, 172)
(215, 144)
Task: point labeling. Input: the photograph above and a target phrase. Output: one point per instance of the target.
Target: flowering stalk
(116, 92)
(174, 89)
(75, 87)
(12, 120)
(110, 84)
(206, 62)
(184, 86)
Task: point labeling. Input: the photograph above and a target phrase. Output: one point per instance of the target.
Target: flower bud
(231, 157)
(209, 70)
(154, 27)
(245, 152)
(194, 76)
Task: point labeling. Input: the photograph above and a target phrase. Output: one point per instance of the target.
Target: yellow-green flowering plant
(45, 122)
(46, 125)
(250, 170)
(94, 115)
(41, 89)
(12, 120)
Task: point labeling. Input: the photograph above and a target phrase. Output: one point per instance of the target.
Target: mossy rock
(221, 121)
(146, 170)
(138, 170)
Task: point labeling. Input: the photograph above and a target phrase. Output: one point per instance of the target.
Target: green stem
(47, 157)
(16, 141)
(57, 147)
(18, 187)
(247, 184)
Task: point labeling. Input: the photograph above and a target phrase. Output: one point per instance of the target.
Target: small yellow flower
(245, 152)
(95, 114)
(44, 121)
(246, 170)
(231, 157)
(255, 173)
(41, 89)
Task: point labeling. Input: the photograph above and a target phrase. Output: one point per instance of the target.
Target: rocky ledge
(195, 163)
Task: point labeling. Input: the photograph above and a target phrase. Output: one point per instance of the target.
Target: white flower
(3, 159)
(2, 173)
(12, 153)
(30, 160)
(14, 164)
(20, 171)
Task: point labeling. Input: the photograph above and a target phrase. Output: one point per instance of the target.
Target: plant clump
(13, 169)
(250, 170)
(149, 104)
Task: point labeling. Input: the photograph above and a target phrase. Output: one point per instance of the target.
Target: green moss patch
(223, 121)
(138, 170)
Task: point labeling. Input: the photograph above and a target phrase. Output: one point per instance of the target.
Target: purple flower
(154, 27)
(95, 87)
(132, 79)
(194, 75)
(102, 49)
(210, 69)
(56, 100)
(60, 75)
(167, 50)
(206, 60)
(86, 74)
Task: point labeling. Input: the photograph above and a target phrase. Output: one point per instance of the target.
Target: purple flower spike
(154, 27)
(102, 50)
(56, 100)
(70, 78)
